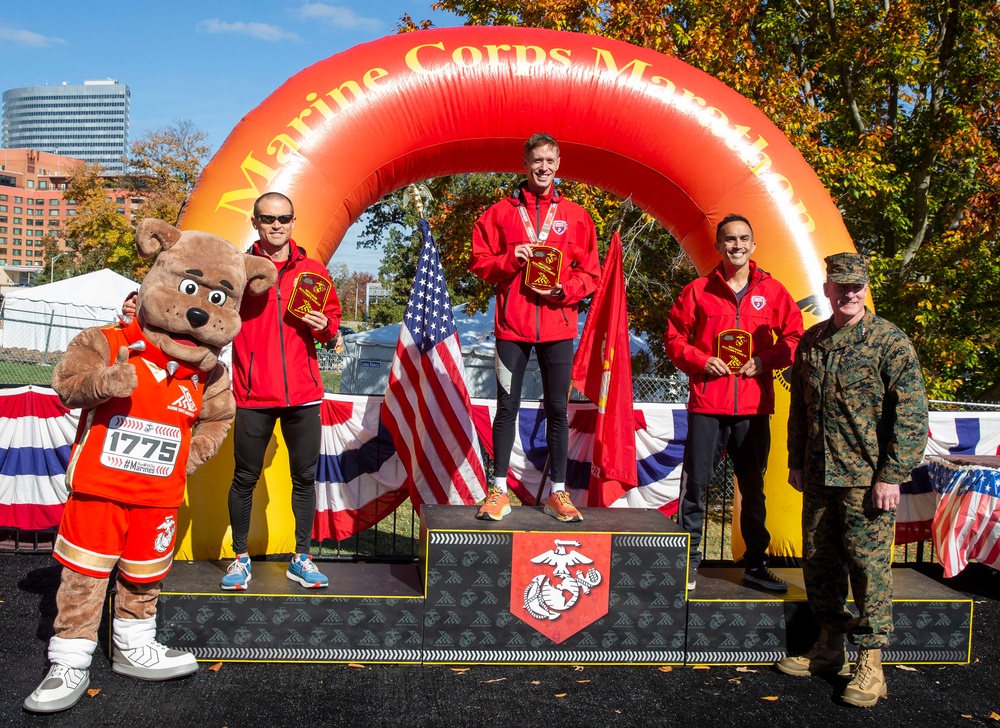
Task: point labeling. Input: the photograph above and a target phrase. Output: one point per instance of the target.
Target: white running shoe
(62, 688)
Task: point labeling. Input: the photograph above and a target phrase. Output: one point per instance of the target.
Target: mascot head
(189, 302)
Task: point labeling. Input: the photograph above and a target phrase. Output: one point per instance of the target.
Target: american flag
(966, 523)
(427, 408)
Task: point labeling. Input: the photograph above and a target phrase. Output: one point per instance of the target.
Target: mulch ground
(245, 694)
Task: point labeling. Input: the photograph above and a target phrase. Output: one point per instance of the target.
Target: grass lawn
(331, 380)
(14, 373)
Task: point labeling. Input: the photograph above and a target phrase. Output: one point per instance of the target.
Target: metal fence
(31, 343)
(395, 538)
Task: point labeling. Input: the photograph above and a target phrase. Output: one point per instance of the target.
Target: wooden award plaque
(543, 267)
(735, 347)
(309, 294)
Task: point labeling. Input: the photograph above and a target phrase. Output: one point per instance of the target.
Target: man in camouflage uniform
(857, 426)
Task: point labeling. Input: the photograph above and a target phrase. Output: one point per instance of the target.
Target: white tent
(45, 318)
(370, 356)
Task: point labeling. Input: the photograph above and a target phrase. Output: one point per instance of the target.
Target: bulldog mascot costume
(156, 405)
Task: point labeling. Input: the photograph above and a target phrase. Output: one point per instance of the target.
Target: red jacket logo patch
(559, 585)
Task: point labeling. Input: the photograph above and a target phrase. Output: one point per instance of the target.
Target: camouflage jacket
(858, 410)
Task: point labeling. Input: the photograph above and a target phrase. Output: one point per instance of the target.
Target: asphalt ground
(249, 694)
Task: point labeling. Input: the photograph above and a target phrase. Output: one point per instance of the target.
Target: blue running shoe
(237, 575)
(304, 571)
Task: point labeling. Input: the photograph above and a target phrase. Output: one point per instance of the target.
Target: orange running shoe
(560, 507)
(495, 507)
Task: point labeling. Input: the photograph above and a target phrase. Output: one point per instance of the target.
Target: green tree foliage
(164, 167)
(57, 262)
(894, 104)
(350, 287)
(97, 233)
(393, 226)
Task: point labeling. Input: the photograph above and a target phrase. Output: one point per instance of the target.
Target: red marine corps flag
(602, 370)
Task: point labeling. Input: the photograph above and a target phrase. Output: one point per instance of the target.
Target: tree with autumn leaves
(97, 234)
(894, 104)
(163, 167)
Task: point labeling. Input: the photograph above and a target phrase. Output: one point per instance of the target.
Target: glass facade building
(88, 122)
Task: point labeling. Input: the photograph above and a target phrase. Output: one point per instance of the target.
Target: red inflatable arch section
(344, 132)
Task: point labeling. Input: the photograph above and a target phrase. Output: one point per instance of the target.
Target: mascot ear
(261, 273)
(154, 235)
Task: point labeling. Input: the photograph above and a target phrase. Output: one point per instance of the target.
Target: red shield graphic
(560, 581)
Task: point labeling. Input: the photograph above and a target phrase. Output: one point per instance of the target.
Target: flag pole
(626, 206)
(418, 195)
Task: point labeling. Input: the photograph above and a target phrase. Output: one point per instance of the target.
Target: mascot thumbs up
(156, 405)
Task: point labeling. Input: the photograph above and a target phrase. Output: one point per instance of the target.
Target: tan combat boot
(829, 654)
(868, 684)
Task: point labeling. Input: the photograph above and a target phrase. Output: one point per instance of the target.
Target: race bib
(141, 446)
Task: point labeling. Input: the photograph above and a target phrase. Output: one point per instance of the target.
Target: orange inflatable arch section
(343, 133)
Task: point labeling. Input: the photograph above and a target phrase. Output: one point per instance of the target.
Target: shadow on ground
(247, 694)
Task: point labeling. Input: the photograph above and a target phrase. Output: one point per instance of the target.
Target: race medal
(309, 294)
(542, 270)
(735, 348)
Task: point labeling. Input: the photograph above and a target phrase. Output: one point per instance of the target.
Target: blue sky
(210, 62)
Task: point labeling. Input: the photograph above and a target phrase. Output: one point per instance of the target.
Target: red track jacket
(274, 355)
(707, 307)
(521, 314)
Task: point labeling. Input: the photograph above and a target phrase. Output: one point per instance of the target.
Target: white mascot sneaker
(137, 654)
(153, 661)
(62, 688)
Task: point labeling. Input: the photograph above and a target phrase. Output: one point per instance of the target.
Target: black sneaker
(766, 578)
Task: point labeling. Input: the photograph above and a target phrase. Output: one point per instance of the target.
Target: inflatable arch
(348, 130)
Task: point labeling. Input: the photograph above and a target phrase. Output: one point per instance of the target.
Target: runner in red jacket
(542, 315)
(524, 314)
(729, 332)
(274, 355)
(276, 377)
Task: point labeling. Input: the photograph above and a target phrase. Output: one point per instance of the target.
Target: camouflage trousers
(846, 539)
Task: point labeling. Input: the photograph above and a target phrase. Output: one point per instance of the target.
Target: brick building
(33, 206)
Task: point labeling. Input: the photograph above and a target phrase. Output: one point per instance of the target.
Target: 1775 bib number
(141, 446)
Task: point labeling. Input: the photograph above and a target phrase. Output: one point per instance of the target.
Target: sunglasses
(269, 219)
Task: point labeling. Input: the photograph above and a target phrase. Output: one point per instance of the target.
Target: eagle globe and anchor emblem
(545, 599)
(572, 593)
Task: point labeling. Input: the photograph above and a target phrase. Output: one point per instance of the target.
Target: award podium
(610, 590)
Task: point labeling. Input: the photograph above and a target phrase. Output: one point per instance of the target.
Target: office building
(34, 205)
(88, 122)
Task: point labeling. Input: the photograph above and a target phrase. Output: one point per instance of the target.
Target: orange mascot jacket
(134, 450)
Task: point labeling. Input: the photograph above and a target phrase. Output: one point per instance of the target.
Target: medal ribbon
(546, 226)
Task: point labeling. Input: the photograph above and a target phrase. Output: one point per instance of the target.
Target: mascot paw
(120, 379)
(202, 448)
